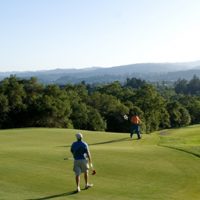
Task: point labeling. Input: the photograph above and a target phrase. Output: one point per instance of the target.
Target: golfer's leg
(78, 182)
(138, 135)
(86, 177)
(131, 131)
(138, 132)
(87, 184)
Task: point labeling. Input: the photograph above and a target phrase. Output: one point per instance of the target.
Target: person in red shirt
(135, 125)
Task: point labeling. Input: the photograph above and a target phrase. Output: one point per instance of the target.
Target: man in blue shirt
(81, 156)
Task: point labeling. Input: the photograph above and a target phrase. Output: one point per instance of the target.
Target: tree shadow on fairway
(110, 141)
(55, 196)
(105, 142)
(179, 149)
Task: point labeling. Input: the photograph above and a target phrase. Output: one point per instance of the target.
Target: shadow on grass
(179, 149)
(106, 142)
(56, 195)
(111, 141)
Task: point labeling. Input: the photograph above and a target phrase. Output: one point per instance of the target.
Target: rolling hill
(147, 71)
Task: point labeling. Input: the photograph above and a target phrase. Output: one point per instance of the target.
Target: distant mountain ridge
(146, 71)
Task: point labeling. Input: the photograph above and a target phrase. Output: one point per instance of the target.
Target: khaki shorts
(80, 166)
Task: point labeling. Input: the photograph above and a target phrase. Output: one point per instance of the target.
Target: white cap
(79, 136)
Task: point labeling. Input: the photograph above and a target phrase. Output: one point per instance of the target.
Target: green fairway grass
(183, 139)
(162, 166)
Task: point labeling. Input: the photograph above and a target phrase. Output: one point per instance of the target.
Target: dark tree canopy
(28, 103)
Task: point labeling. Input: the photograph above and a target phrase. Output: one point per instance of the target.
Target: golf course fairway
(161, 166)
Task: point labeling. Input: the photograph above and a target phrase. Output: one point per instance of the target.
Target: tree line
(28, 103)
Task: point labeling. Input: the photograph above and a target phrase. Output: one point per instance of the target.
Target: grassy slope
(186, 139)
(32, 165)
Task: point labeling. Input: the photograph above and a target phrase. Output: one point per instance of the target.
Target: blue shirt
(79, 149)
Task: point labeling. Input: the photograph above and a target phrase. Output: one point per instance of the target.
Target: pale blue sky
(48, 34)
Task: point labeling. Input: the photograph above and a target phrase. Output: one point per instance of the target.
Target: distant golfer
(81, 156)
(135, 124)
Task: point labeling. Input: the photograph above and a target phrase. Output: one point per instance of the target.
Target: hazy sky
(48, 34)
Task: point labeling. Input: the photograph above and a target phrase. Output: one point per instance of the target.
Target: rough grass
(158, 167)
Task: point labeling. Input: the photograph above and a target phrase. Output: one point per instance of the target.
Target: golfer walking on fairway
(81, 156)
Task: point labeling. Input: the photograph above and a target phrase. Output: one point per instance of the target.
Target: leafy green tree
(127, 94)
(181, 86)
(79, 115)
(117, 90)
(34, 92)
(194, 110)
(14, 91)
(115, 120)
(77, 95)
(167, 92)
(53, 108)
(164, 119)
(194, 86)
(113, 89)
(95, 121)
(185, 117)
(4, 109)
(110, 109)
(135, 83)
(192, 104)
(151, 103)
(179, 116)
(15, 94)
(79, 90)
